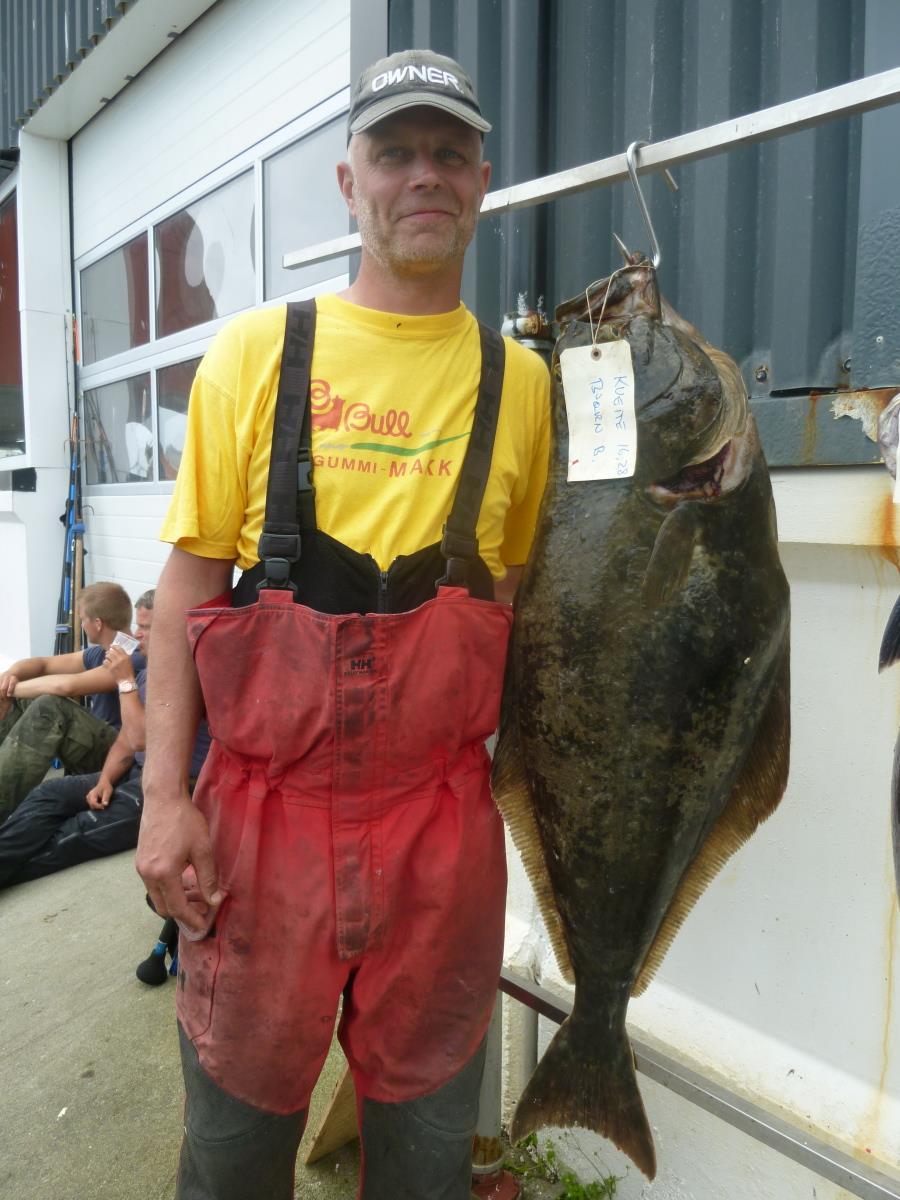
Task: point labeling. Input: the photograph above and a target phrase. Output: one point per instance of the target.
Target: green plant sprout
(529, 1162)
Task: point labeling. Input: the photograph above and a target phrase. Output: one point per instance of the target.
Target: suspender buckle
(456, 573)
(458, 545)
(277, 551)
(278, 576)
(459, 553)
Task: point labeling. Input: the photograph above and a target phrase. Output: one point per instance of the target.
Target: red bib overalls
(353, 828)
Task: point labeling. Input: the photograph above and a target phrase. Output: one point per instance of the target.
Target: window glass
(115, 302)
(173, 387)
(12, 413)
(118, 432)
(204, 259)
(302, 205)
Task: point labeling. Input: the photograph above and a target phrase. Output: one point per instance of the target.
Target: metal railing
(772, 1129)
(845, 100)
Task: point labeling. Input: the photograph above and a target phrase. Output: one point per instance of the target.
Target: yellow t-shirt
(392, 403)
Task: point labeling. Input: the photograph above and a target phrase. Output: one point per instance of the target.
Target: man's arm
(505, 588)
(52, 664)
(115, 765)
(87, 683)
(174, 833)
(131, 706)
(32, 668)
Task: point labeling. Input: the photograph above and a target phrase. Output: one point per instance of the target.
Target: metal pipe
(858, 96)
(489, 1180)
(487, 1150)
(774, 1131)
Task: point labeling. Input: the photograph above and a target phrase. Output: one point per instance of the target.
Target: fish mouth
(716, 476)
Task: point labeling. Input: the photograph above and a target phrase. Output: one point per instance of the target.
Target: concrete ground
(90, 1083)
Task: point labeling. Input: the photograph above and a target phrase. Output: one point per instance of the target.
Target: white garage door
(186, 192)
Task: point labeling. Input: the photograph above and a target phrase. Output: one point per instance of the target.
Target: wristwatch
(128, 685)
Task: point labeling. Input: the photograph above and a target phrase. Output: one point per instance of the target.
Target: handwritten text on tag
(599, 393)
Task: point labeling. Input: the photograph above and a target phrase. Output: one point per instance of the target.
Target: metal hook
(630, 160)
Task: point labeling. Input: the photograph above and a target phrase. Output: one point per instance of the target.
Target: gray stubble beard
(413, 261)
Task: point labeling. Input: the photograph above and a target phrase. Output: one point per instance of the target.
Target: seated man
(79, 817)
(40, 722)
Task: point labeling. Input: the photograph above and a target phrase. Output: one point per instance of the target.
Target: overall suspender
(290, 495)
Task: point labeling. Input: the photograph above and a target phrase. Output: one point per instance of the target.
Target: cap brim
(393, 104)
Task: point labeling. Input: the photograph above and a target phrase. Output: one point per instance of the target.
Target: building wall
(236, 76)
(778, 251)
(243, 77)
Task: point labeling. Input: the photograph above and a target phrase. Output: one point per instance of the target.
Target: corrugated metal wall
(782, 252)
(41, 43)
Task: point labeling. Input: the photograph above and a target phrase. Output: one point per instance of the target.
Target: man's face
(415, 183)
(143, 618)
(92, 627)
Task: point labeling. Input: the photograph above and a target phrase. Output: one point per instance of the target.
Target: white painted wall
(122, 540)
(243, 71)
(31, 536)
(31, 550)
(783, 981)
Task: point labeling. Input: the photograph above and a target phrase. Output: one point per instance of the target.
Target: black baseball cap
(410, 78)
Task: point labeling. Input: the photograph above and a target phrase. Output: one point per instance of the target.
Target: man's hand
(119, 665)
(174, 836)
(100, 795)
(8, 683)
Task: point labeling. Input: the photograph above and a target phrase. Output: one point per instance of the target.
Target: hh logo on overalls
(360, 666)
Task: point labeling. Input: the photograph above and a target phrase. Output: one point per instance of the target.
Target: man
(39, 720)
(343, 841)
(74, 818)
(70, 819)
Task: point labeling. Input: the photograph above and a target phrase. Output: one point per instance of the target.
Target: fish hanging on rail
(645, 728)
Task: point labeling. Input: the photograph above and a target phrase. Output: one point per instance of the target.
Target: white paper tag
(599, 393)
(897, 479)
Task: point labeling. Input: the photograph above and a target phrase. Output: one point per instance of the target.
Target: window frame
(192, 342)
(9, 187)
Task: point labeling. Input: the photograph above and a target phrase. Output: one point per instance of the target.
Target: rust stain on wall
(810, 431)
(871, 1138)
(886, 539)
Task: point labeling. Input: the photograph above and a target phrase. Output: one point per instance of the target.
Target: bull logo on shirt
(329, 411)
(325, 407)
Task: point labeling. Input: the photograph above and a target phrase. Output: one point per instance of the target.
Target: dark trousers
(417, 1150)
(54, 828)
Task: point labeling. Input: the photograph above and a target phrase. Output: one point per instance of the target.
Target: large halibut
(645, 726)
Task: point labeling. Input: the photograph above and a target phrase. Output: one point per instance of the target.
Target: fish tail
(580, 1082)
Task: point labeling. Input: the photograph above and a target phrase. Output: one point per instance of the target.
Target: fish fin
(580, 1082)
(512, 795)
(890, 643)
(673, 552)
(754, 798)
